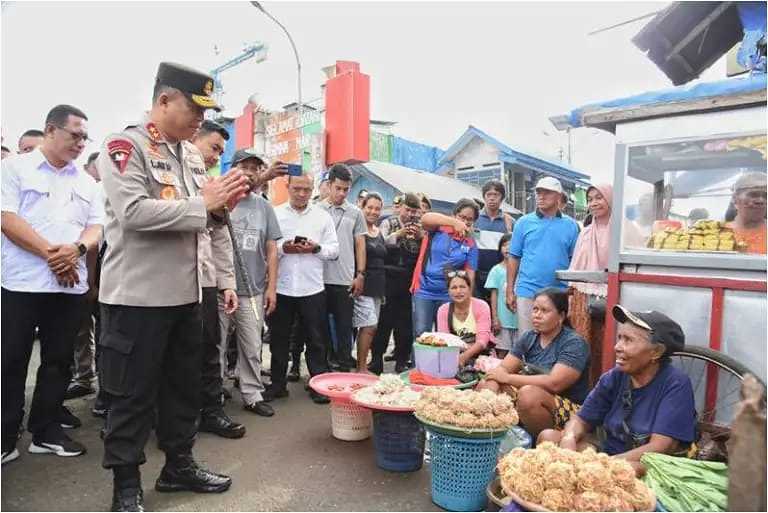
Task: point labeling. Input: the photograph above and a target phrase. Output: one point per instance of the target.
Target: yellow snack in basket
(563, 480)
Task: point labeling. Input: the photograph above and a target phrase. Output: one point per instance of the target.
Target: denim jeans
(424, 314)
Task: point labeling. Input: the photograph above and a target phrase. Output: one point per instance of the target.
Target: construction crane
(257, 50)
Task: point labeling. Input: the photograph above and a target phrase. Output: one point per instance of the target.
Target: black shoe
(101, 413)
(127, 499)
(390, 357)
(220, 424)
(266, 372)
(270, 394)
(260, 408)
(337, 366)
(75, 390)
(318, 398)
(10, 454)
(103, 433)
(59, 444)
(294, 374)
(227, 394)
(188, 475)
(68, 420)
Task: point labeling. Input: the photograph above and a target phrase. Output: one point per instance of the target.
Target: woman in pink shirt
(465, 316)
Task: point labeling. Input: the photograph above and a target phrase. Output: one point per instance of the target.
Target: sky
(435, 67)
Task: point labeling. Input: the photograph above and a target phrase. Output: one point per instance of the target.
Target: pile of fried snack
(389, 391)
(702, 236)
(467, 408)
(564, 480)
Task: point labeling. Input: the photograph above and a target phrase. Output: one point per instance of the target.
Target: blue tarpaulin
(728, 87)
(414, 155)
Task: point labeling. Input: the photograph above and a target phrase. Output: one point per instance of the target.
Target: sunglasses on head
(453, 274)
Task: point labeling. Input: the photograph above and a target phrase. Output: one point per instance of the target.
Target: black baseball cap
(663, 329)
(241, 155)
(198, 86)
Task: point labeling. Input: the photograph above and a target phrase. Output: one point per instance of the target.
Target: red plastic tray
(340, 385)
(378, 407)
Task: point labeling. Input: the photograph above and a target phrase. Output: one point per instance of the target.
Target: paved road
(285, 463)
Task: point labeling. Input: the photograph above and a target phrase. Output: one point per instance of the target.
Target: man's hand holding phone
(300, 245)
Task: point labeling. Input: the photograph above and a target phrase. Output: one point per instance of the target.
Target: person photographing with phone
(308, 241)
(256, 231)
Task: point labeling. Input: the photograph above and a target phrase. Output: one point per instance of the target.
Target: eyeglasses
(77, 136)
(454, 274)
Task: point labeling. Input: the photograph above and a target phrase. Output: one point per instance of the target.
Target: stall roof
(686, 38)
(512, 156)
(436, 187)
(700, 97)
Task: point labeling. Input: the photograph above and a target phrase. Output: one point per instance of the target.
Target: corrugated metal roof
(436, 187)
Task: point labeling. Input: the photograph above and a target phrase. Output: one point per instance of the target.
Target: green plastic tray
(462, 432)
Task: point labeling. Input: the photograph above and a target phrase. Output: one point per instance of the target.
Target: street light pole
(298, 68)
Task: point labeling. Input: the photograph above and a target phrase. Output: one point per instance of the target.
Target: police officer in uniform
(150, 286)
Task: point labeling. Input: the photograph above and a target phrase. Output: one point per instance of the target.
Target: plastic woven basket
(461, 470)
(399, 441)
(349, 422)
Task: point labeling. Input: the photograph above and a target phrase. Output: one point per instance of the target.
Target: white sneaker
(9, 456)
(60, 445)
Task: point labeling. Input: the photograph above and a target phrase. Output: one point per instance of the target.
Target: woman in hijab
(591, 252)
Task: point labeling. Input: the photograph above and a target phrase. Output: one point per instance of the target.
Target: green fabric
(683, 484)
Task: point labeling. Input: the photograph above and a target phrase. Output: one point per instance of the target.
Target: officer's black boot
(219, 423)
(127, 494)
(182, 473)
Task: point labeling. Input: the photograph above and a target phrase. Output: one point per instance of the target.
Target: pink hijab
(591, 252)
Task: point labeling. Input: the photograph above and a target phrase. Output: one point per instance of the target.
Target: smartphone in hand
(299, 239)
(294, 169)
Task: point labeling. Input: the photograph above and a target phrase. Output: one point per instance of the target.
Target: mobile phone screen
(294, 169)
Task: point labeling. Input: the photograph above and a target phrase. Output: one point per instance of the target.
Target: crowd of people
(140, 271)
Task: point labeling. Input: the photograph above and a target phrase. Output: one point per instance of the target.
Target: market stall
(680, 155)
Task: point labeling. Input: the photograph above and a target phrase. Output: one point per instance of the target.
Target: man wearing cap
(217, 271)
(256, 232)
(542, 242)
(402, 235)
(749, 200)
(644, 404)
(157, 204)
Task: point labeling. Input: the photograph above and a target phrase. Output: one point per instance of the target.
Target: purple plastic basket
(439, 361)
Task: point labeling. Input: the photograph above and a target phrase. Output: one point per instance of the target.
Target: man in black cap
(158, 199)
(256, 233)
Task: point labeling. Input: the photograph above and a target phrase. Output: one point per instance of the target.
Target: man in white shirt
(309, 239)
(52, 215)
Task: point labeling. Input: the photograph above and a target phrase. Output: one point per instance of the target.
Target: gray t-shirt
(254, 223)
(349, 223)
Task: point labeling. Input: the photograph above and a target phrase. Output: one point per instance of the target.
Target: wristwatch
(81, 248)
(316, 249)
(361, 273)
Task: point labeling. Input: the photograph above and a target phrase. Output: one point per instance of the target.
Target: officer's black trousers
(151, 357)
(57, 317)
(212, 398)
(395, 317)
(311, 310)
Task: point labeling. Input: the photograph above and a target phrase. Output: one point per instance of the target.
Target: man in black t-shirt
(402, 234)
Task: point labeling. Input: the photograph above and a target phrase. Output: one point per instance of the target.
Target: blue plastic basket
(461, 470)
(399, 441)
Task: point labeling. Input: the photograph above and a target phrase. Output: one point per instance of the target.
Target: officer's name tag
(161, 165)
